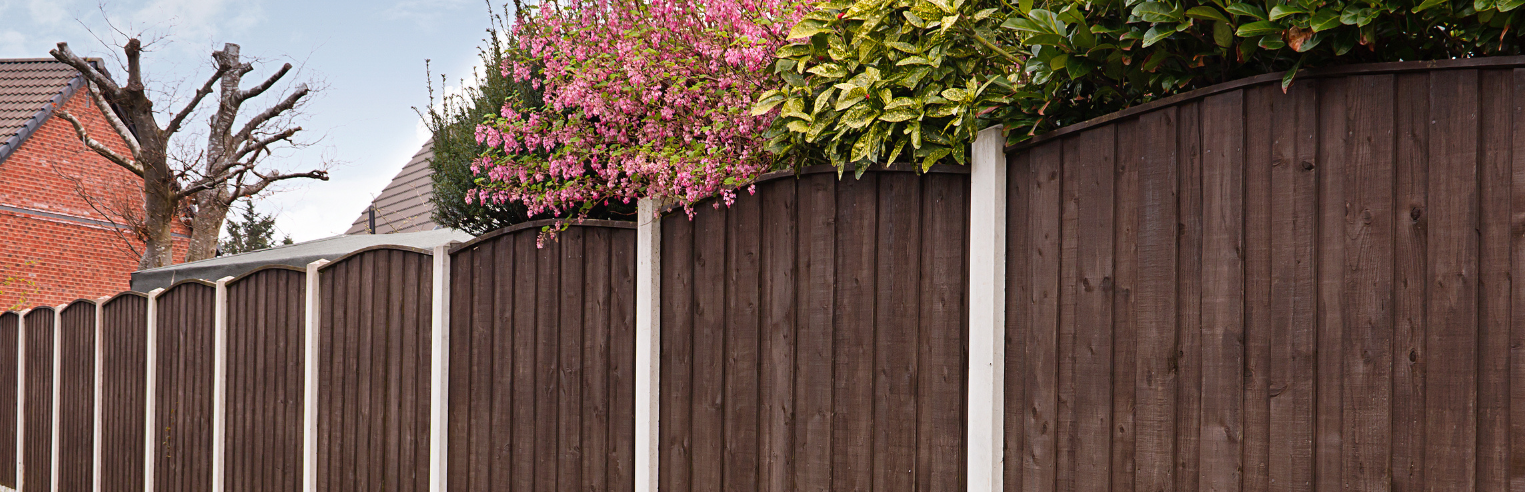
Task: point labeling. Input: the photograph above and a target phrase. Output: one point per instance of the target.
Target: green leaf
(829, 70)
(955, 94)
(1056, 64)
(1508, 5)
(792, 50)
(1156, 34)
(943, 111)
(859, 117)
(1206, 13)
(822, 100)
(1046, 40)
(851, 97)
(933, 157)
(795, 108)
(1325, 19)
(807, 28)
(1427, 5)
(1358, 16)
(798, 126)
(902, 47)
(1223, 34)
(767, 102)
(1286, 9)
(1247, 10)
(1272, 42)
(1020, 24)
(1483, 5)
(1081, 38)
(1258, 28)
(901, 102)
(949, 21)
(1156, 12)
(1286, 80)
(899, 115)
(913, 60)
(1046, 21)
(913, 20)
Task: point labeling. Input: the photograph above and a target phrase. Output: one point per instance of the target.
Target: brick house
(62, 207)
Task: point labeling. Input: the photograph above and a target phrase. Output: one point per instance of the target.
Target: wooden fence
(1240, 289)
(1230, 289)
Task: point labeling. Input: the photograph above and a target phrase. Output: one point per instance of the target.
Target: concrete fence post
(220, 383)
(58, 329)
(96, 456)
(439, 356)
(150, 387)
(310, 379)
(987, 311)
(21, 399)
(648, 343)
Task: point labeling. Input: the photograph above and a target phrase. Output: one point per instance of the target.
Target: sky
(365, 58)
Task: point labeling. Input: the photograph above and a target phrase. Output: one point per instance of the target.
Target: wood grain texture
(1221, 433)
(37, 401)
(265, 311)
(1158, 362)
(76, 394)
(10, 322)
(1410, 279)
(183, 430)
(1495, 173)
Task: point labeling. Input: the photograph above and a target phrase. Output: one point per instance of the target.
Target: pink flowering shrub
(641, 98)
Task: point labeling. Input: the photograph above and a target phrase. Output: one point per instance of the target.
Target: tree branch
(116, 123)
(260, 119)
(260, 89)
(265, 144)
(174, 124)
(63, 54)
(84, 136)
(264, 181)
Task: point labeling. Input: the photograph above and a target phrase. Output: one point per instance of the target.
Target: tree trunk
(158, 218)
(206, 227)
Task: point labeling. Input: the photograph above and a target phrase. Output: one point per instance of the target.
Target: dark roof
(403, 206)
(29, 91)
(294, 255)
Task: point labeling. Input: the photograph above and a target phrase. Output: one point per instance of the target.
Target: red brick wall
(57, 259)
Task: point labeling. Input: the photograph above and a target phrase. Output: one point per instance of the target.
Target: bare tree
(207, 184)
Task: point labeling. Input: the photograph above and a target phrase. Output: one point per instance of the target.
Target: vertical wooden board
(416, 427)
(706, 418)
(547, 350)
(897, 298)
(595, 356)
(1018, 179)
(1517, 289)
(1065, 435)
(1223, 298)
(1495, 92)
(457, 455)
(572, 245)
(1410, 278)
(493, 364)
(76, 395)
(813, 377)
(677, 352)
(1156, 297)
(1260, 185)
(238, 420)
(1124, 305)
(1368, 285)
(522, 450)
(372, 332)
(1329, 105)
(1282, 342)
(622, 361)
(9, 323)
(323, 475)
(942, 366)
(852, 447)
(1042, 371)
(396, 368)
(1188, 295)
(742, 339)
(776, 305)
(1089, 162)
(1451, 338)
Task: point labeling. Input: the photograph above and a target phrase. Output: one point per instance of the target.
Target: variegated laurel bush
(879, 81)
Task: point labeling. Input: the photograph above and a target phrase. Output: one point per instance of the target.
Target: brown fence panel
(124, 349)
(1250, 289)
(373, 412)
(183, 388)
(813, 335)
(76, 398)
(548, 332)
(37, 413)
(264, 385)
(9, 322)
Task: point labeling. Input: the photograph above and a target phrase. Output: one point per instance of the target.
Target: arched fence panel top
(536, 224)
(39, 313)
(1261, 287)
(267, 270)
(372, 251)
(128, 295)
(186, 285)
(78, 304)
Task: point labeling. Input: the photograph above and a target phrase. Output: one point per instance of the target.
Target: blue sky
(366, 56)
